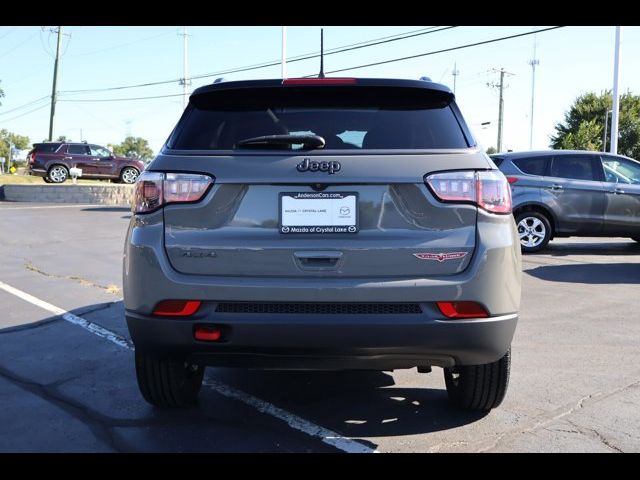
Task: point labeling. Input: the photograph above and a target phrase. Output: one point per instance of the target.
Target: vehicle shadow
(598, 273)
(605, 247)
(353, 403)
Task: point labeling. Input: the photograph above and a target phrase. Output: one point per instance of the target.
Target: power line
(45, 47)
(18, 46)
(113, 47)
(25, 105)
(8, 32)
(298, 58)
(308, 56)
(119, 99)
(443, 50)
(26, 113)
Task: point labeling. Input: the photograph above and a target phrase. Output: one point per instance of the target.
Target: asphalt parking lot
(67, 380)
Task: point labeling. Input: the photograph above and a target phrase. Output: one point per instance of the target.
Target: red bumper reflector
(319, 81)
(462, 310)
(207, 334)
(512, 179)
(177, 308)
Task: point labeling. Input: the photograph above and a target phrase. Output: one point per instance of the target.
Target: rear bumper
(39, 172)
(328, 342)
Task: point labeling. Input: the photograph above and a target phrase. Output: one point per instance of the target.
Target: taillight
(488, 189)
(177, 308)
(462, 310)
(154, 190)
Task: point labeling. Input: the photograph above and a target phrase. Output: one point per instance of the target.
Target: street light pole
(534, 63)
(616, 99)
(606, 123)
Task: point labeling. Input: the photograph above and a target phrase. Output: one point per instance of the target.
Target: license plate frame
(330, 199)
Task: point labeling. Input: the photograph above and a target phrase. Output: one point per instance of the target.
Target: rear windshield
(46, 147)
(346, 118)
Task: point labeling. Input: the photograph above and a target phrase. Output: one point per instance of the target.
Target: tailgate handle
(318, 259)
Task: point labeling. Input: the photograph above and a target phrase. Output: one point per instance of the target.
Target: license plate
(318, 212)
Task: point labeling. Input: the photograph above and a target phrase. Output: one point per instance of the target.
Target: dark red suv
(53, 160)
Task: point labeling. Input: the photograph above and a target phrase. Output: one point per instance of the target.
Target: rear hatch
(358, 207)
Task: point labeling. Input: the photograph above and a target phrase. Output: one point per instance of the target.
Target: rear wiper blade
(309, 141)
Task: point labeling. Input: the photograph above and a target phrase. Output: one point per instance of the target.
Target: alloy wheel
(531, 231)
(58, 174)
(129, 175)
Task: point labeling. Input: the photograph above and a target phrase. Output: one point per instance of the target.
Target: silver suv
(322, 224)
(565, 193)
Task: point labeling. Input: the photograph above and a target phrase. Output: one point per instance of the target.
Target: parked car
(564, 193)
(326, 224)
(53, 160)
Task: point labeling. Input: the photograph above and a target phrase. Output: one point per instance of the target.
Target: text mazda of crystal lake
(322, 224)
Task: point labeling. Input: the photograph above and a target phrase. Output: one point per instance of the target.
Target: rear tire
(478, 387)
(129, 175)
(534, 231)
(46, 179)
(166, 382)
(58, 173)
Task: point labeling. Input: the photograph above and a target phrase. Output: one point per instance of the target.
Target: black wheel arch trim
(545, 208)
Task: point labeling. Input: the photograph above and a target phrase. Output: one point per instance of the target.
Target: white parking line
(69, 317)
(297, 423)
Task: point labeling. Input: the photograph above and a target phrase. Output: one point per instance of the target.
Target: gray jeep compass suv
(322, 224)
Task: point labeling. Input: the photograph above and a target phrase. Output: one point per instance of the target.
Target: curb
(107, 194)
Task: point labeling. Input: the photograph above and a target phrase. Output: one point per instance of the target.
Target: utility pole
(500, 86)
(455, 74)
(184, 81)
(500, 111)
(54, 94)
(606, 121)
(283, 66)
(533, 62)
(616, 99)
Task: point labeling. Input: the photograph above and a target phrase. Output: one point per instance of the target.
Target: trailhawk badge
(440, 257)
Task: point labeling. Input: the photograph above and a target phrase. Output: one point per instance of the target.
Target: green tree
(136, 147)
(583, 125)
(1, 93)
(491, 150)
(20, 142)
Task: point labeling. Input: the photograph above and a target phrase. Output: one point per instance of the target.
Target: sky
(573, 60)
